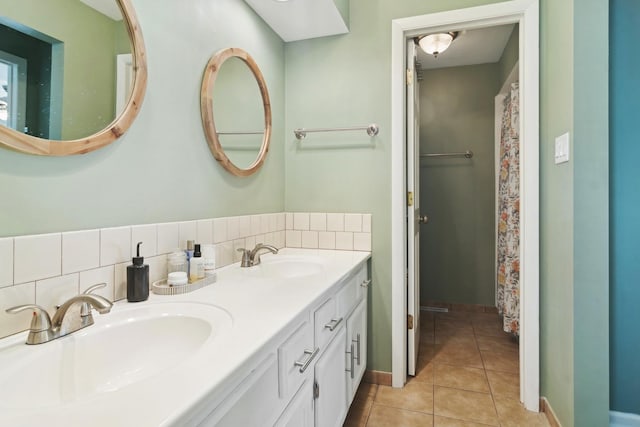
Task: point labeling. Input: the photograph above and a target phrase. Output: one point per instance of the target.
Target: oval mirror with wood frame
(233, 111)
(73, 74)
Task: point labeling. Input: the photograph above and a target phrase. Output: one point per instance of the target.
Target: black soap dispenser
(137, 279)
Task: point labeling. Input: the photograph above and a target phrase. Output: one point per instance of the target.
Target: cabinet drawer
(295, 356)
(326, 321)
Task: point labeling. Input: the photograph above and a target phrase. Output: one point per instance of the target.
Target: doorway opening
(405, 232)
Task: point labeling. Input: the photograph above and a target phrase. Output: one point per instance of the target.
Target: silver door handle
(351, 357)
(333, 324)
(310, 354)
(423, 219)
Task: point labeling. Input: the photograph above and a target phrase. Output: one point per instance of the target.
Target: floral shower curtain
(509, 215)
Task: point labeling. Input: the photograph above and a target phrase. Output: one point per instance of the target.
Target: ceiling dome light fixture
(435, 44)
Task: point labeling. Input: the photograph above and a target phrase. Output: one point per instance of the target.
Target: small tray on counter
(162, 288)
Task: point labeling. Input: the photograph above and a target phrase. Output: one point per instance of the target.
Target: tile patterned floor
(467, 376)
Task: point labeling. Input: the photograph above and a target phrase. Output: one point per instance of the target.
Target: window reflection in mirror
(58, 66)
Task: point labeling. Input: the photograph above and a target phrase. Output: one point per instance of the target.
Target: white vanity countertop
(261, 307)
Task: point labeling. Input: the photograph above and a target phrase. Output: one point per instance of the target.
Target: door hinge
(316, 390)
(410, 198)
(410, 321)
(409, 77)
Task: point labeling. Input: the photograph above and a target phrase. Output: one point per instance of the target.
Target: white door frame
(526, 13)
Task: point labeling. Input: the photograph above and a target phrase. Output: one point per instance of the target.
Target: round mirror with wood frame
(206, 108)
(124, 117)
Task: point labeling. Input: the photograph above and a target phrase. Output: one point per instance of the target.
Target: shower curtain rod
(467, 154)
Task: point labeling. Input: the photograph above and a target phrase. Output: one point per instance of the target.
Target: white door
(413, 210)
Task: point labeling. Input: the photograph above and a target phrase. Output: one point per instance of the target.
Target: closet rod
(468, 154)
(372, 130)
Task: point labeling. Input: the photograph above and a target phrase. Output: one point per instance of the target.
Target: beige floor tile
(500, 344)
(512, 414)
(458, 336)
(461, 377)
(424, 371)
(458, 355)
(414, 396)
(452, 422)
(465, 405)
(454, 315)
(366, 390)
(359, 412)
(452, 325)
(501, 361)
(489, 329)
(384, 416)
(505, 384)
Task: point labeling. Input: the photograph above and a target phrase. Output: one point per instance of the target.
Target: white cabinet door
(356, 348)
(331, 400)
(299, 413)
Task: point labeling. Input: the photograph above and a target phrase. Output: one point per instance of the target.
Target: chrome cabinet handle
(351, 356)
(357, 341)
(333, 324)
(365, 283)
(303, 365)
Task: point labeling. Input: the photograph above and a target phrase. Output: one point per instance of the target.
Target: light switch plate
(562, 148)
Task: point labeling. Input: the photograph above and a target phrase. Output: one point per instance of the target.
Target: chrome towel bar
(372, 130)
(467, 154)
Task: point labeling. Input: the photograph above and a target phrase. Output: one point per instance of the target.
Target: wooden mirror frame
(24, 143)
(206, 109)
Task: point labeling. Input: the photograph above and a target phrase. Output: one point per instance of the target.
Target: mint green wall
(591, 212)
(457, 246)
(574, 211)
(89, 64)
(162, 169)
(510, 54)
(556, 209)
(345, 81)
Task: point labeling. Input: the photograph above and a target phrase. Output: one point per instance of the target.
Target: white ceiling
(471, 47)
(300, 19)
(106, 7)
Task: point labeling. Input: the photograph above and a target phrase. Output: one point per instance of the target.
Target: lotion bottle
(196, 265)
(137, 278)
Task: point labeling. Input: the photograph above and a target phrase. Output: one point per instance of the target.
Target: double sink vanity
(281, 343)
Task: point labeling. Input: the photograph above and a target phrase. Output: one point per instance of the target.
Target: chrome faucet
(44, 329)
(252, 257)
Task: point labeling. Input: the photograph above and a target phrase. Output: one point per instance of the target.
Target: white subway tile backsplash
(327, 240)
(99, 275)
(318, 221)
(344, 241)
(362, 241)
(353, 222)
(335, 222)
(245, 226)
(157, 268)
(37, 257)
(168, 237)
(13, 296)
(188, 231)
(148, 235)
(272, 223)
(233, 228)
(6, 262)
(204, 231)
(366, 223)
(280, 239)
(115, 245)
(310, 239)
(256, 225)
(280, 221)
(55, 291)
(224, 254)
(80, 251)
(301, 221)
(250, 242)
(120, 281)
(264, 223)
(293, 239)
(289, 221)
(219, 230)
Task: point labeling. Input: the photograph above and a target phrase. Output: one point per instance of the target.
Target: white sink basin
(290, 266)
(123, 347)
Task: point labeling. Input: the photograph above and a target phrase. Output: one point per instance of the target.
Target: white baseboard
(622, 419)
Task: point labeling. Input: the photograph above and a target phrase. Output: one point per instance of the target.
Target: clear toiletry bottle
(137, 278)
(196, 265)
(189, 253)
(177, 261)
(209, 256)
